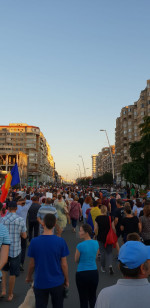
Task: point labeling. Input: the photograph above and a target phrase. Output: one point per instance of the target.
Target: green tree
(138, 171)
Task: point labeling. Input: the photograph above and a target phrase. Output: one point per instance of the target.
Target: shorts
(13, 266)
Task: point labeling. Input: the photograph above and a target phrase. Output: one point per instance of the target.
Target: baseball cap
(133, 253)
(12, 204)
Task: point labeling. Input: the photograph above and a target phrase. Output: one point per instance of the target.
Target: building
(104, 160)
(94, 166)
(127, 128)
(27, 140)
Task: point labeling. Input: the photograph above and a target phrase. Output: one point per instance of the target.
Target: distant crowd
(36, 218)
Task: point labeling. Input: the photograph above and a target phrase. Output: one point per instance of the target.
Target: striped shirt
(46, 209)
(15, 226)
(4, 238)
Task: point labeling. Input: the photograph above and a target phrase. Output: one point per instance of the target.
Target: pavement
(72, 301)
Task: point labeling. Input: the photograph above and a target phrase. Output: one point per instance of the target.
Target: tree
(138, 171)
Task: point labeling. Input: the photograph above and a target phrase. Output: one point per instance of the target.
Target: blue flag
(15, 175)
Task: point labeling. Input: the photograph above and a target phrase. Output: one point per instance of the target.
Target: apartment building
(127, 128)
(104, 160)
(94, 166)
(26, 139)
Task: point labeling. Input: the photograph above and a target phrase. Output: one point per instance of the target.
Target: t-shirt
(32, 213)
(138, 209)
(88, 250)
(132, 293)
(95, 211)
(113, 206)
(130, 225)
(43, 210)
(47, 251)
(119, 213)
(103, 227)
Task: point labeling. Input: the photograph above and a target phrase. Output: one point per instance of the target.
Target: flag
(12, 179)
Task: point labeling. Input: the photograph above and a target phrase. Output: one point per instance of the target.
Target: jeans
(33, 225)
(74, 222)
(42, 297)
(87, 282)
(106, 254)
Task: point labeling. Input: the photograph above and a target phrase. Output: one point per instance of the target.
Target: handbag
(29, 301)
(111, 238)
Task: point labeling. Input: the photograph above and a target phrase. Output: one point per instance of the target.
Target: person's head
(104, 210)
(76, 198)
(88, 200)
(134, 260)
(119, 203)
(21, 202)
(146, 209)
(49, 221)
(138, 204)
(12, 206)
(48, 201)
(35, 199)
(85, 230)
(59, 197)
(127, 208)
(27, 197)
(95, 203)
(133, 237)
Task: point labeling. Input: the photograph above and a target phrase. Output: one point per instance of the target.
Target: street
(72, 301)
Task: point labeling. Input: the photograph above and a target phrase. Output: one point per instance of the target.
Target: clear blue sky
(69, 66)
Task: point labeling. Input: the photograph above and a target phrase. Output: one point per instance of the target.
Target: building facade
(94, 166)
(127, 128)
(22, 138)
(102, 162)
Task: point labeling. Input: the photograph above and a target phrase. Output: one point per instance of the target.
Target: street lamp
(112, 162)
(83, 165)
(77, 172)
(79, 169)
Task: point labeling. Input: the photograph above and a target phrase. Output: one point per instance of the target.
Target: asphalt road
(72, 301)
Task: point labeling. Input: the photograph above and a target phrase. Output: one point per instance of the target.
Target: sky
(68, 67)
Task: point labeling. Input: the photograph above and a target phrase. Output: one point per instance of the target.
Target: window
(129, 109)
(135, 134)
(130, 130)
(124, 112)
(125, 131)
(135, 127)
(142, 105)
(135, 113)
(129, 123)
(142, 113)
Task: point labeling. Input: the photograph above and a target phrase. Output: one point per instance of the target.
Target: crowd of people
(36, 218)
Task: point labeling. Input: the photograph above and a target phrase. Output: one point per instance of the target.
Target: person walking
(46, 208)
(62, 212)
(17, 229)
(75, 212)
(32, 217)
(129, 223)
(101, 228)
(87, 273)
(145, 223)
(48, 260)
(86, 206)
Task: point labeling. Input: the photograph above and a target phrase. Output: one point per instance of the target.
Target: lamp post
(83, 165)
(79, 169)
(112, 162)
(77, 172)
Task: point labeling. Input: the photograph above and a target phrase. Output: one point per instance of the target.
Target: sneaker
(103, 269)
(111, 272)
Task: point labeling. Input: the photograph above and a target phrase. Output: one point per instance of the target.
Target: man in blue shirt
(48, 254)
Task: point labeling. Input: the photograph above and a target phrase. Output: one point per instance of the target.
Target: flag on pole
(12, 178)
